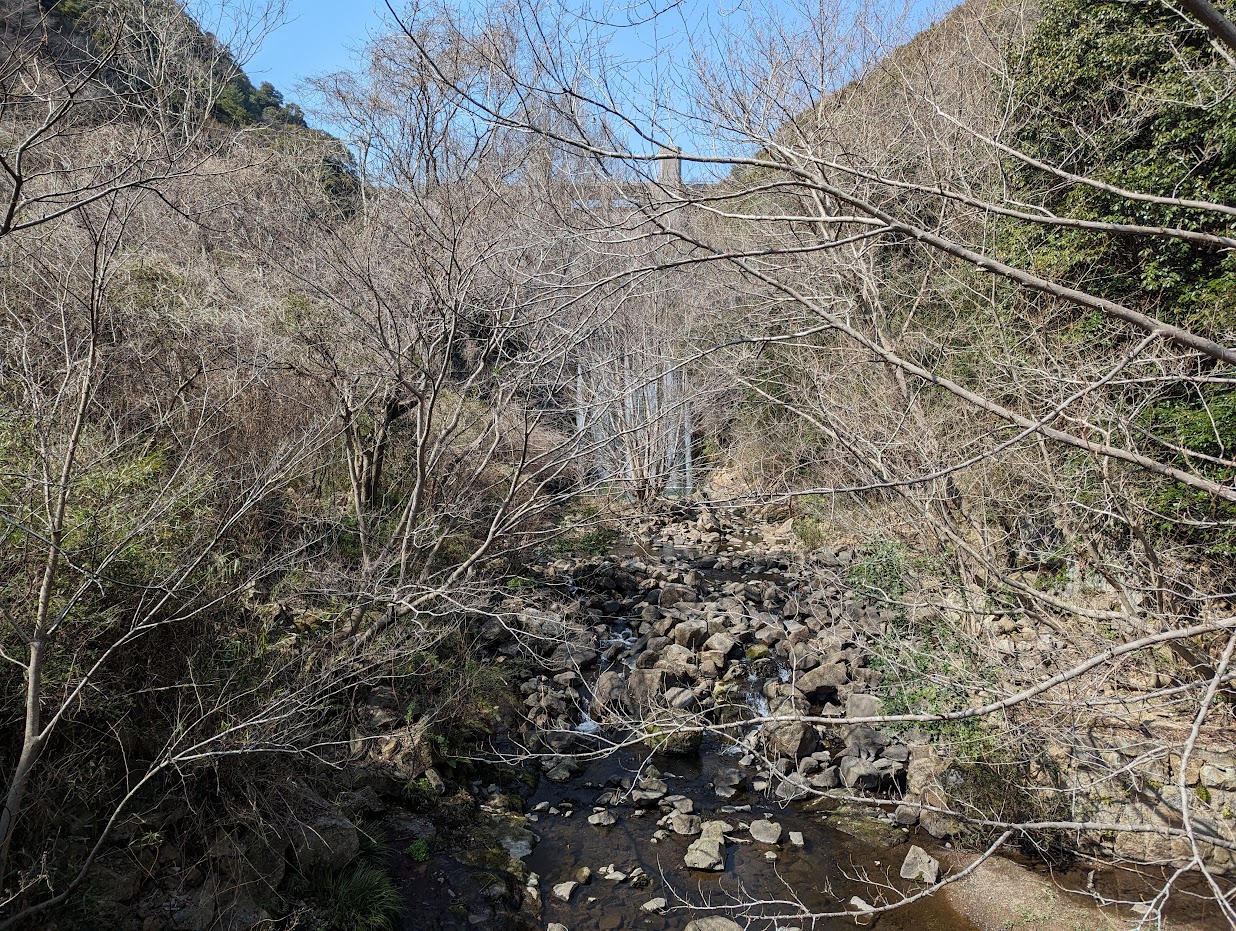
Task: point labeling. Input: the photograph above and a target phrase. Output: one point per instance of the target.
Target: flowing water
(759, 892)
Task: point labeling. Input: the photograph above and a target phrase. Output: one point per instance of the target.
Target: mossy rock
(871, 831)
(672, 742)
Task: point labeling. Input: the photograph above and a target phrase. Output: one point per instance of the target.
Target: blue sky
(323, 36)
(319, 37)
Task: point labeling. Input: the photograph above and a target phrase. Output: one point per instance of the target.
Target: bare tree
(934, 380)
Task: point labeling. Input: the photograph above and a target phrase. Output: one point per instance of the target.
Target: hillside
(470, 532)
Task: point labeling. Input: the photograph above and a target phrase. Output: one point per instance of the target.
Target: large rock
(721, 643)
(676, 733)
(765, 832)
(821, 683)
(920, 866)
(327, 841)
(792, 739)
(713, 923)
(707, 852)
(858, 773)
(675, 593)
(609, 692)
(860, 705)
(571, 656)
(690, 634)
(645, 687)
(861, 740)
(686, 825)
(678, 661)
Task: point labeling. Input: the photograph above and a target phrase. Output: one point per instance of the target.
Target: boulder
(682, 699)
(713, 923)
(609, 692)
(645, 686)
(906, 815)
(792, 739)
(686, 825)
(678, 661)
(676, 593)
(327, 841)
(707, 852)
(862, 740)
(821, 683)
(858, 773)
(690, 634)
(920, 866)
(676, 733)
(766, 832)
(571, 656)
(860, 705)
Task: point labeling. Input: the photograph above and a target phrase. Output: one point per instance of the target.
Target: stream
(821, 876)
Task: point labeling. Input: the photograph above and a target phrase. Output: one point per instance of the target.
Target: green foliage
(242, 104)
(1202, 422)
(594, 542)
(361, 899)
(880, 574)
(584, 532)
(1132, 94)
(418, 850)
(923, 672)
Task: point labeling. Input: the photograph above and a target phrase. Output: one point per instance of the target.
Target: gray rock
(675, 593)
(678, 661)
(682, 699)
(828, 778)
(821, 683)
(920, 866)
(645, 686)
(609, 692)
(792, 739)
(793, 787)
(690, 634)
(713, 923)
(862, 740)
(797, 839)
(858, 773)
(571, 656)
(560, 773)
(766, 832)
(327, 841)
(655, 906)
(686, 825)
(708, 851)
(859, 705)
(602, 819)
(906, 815)
(565, 890)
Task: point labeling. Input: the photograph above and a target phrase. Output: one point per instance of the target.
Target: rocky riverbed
(664, 715)
(671, 676)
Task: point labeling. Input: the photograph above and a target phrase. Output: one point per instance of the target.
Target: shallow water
(760, 893)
